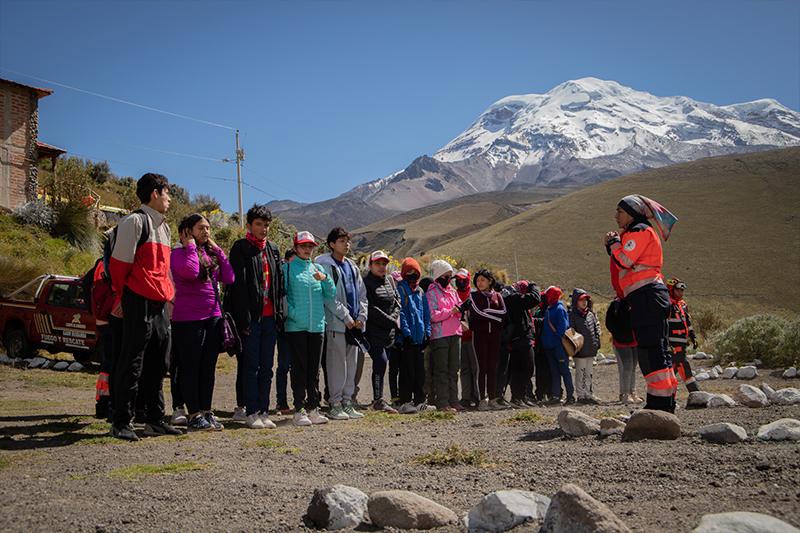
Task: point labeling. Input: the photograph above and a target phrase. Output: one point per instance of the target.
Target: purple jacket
(195, 299)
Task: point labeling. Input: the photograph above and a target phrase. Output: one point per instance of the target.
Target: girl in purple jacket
(197, 265)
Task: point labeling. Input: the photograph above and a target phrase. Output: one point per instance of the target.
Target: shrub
(754, 337)
(37, 213)
(790, 347)
(707, 319)
(75, 226)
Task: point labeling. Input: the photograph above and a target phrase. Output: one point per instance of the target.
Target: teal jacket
(305, 296)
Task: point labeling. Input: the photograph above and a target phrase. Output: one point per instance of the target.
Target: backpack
(111, 240)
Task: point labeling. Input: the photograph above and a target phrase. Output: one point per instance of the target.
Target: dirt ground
(60, 472)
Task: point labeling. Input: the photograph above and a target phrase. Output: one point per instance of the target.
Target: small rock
(730, 372)
(75, 367)
(599, 357)
(724, 433)
(611, 426)
(61, 365)
(783, 429)
(36, 362)
(767, 390)
(702, 375)
(747, 372)
(505, 509)
(577, 424)
(721, 400)
(698, 399)
(406, 510)
(790, 396)
(750, 396)
(791, 372)
(757, 362)
(713, 374)
(572, 510)
(700, 355)
(743, 522)
(718, 369)
(650, 424)
(337, 507)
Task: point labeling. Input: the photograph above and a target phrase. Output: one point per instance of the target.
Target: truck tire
(17, 344)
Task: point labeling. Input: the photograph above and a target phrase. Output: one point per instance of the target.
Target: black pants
(146, 340)
(394, 369)
(174, 377)
(306, 350)
(544, 379)
(412, 374)
(503, 370)
(200, 345)
(521, 365)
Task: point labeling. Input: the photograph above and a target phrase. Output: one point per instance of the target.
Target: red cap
(303, 237)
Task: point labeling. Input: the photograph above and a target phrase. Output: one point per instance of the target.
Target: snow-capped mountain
(581, 132)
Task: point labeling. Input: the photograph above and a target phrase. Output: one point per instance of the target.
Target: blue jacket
(557, 316)
(415, 316)
(305, 296)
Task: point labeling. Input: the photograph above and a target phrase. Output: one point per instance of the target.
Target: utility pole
(239, 159)
(515, 263)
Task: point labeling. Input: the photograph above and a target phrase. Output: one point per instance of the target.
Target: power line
(276, 184)
(132, 145)
(153, 168)
(118, 100)
(259, 190)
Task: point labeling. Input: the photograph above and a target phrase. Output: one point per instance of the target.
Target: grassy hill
(736, 242)
(417, 231)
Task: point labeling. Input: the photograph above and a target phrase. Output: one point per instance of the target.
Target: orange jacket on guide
(638, 257)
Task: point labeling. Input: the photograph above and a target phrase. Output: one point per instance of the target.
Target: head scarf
(637, 206)
(521, 286)
(553, 294)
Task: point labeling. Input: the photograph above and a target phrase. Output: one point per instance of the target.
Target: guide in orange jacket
(680, 333)
(636, 261)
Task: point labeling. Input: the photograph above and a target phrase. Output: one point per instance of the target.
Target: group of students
(429, 332)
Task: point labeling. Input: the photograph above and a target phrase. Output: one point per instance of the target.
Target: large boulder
(743, 522)
(747, 372)
(572, 510)
(651, 424)
(783, 429)
(750, 396)
(577, 424)
(337, 507)
(721, 400)
(730, 372)
(724, 433)
(698, 399)
(505, 509)
(406, 510)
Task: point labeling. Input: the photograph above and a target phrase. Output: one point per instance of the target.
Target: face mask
(412, 278)
(462, 284)
(444, 282)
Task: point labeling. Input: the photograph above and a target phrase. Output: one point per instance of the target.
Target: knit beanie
(440, 267)
(553, 294)
(409, 263)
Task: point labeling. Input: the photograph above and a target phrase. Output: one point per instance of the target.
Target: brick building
(20, 147)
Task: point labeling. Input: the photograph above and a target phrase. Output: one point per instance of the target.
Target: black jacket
(518, 319)
(244, 298)
(618, 321)
(384, 310)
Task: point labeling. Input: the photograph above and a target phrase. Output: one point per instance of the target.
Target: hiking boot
(316, 417)
(350, 409)
(179, 417)
(483, 405)
(199, 423)
(239, 414)
(495, 405)
(156, 429)
(124, 433)
(265, 421)
(570, 400)
(213, 421)
(301, 418)
(337, 412)
(381, 405)
(254, 421)
(407, 409)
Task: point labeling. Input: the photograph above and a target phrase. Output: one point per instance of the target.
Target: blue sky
(330, 94)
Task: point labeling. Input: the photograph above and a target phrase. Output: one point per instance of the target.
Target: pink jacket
(444, 323)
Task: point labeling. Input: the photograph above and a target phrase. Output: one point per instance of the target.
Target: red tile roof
(41, 92)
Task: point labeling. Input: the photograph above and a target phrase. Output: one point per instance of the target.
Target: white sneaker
(239, 414)
(301, 418)
(179, 417)
(269, 424)
(407, 409)
(425, 406)
(254, 421)
(316, 417)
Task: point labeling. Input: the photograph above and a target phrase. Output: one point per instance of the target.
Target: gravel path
(60, 473)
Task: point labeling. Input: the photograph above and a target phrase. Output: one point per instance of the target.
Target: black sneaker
(553, 401)
(199, 423)
(139, 417)
(569, 401)
(124, 433)
(102, 410)
(213, 422)
(156, 429)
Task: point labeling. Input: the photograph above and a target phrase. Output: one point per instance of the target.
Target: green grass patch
(273, 443)
(381, 417)
(139, 471)
(608, 414)
(49, 378)
(525, 416)
(454, 455)
(13, 459)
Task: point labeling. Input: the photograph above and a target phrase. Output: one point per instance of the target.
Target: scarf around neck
(258, 243)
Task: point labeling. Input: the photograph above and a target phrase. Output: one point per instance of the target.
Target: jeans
(258, 349)
(380, 358)
(559, 367)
